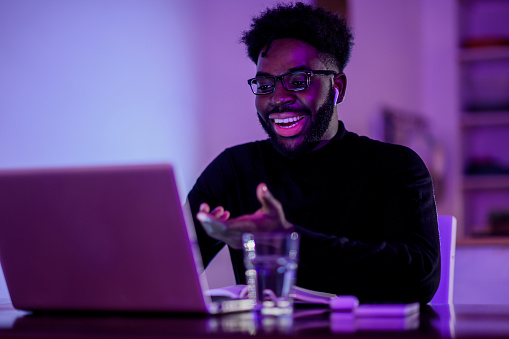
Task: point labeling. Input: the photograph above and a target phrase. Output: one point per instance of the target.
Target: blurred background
(101, 82)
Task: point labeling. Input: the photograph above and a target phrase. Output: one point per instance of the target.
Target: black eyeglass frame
(309, 74)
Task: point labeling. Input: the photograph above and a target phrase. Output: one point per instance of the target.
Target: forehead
(286, 54)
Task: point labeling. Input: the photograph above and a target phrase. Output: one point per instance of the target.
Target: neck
(329, 134)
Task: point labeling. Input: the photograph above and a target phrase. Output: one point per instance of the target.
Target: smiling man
(295, 119)
(365, 209)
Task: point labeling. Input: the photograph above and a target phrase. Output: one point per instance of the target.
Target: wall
(482, 275)
(384, 61)
(97, 82)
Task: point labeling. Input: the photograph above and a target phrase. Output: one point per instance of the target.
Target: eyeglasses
(292, 81)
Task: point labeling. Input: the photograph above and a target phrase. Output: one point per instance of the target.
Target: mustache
(285, 108)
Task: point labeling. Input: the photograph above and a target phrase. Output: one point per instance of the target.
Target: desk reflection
(313, 321)
(438, 321)
(319, 322)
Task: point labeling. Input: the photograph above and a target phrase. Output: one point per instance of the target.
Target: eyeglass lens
(296, 81)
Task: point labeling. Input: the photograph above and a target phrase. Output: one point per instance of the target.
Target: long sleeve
(402, 262)
(210, 187)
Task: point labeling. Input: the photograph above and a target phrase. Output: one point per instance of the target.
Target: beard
(312, 136)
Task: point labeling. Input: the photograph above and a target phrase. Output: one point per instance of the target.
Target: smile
(288, 122)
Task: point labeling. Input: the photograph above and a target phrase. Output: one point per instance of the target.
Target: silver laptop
(101, 239)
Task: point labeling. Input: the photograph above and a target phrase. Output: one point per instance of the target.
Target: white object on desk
(346, 303)
(387, 310)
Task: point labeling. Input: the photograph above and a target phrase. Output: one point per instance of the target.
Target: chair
(4, 292)
(447, 232)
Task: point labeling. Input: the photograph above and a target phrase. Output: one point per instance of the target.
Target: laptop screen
(98, 238)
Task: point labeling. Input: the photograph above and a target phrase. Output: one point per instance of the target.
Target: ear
(340, 85)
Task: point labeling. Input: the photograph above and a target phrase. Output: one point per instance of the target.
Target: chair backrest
(447, 231)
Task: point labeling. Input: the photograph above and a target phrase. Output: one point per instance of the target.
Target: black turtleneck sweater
(365, 211)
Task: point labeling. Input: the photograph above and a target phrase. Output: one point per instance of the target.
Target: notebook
(101, 239)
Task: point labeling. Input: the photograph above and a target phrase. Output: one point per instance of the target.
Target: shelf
(485, 182)
(484, 53)
(485, 118)
(483, 241)
(482, 62)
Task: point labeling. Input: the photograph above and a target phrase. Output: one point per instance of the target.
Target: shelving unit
(484, 53)
(484, 119)
(484, 96)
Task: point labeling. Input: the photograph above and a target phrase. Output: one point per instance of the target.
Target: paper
(299, 293)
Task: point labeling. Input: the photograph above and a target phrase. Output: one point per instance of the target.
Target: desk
(439, 321)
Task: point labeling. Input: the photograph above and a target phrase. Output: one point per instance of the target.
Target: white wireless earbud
(336, 96)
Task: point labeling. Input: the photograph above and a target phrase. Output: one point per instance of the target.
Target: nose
(281, 96)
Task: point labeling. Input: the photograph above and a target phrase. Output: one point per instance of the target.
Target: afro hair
(325, 31)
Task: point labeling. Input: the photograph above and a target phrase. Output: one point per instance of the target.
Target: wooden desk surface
(439, 321)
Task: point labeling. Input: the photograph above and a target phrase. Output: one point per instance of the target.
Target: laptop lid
(99, 238)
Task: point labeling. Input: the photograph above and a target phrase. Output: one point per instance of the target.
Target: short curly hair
(325, 31)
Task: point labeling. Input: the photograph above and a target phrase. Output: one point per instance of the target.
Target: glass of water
(271, 261)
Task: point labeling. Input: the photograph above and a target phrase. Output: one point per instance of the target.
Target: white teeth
(287, 120)
(295, 120)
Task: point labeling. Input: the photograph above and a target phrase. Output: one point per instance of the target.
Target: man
(365, 209)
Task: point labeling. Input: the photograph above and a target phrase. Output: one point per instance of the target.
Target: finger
(225, 216)
(220, 213)
(204, 207)
(266, 199)
(217, 212)
(219, 230)
(203, 217)
(211, 224)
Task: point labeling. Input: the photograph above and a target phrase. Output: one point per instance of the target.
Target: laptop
(101, 239)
